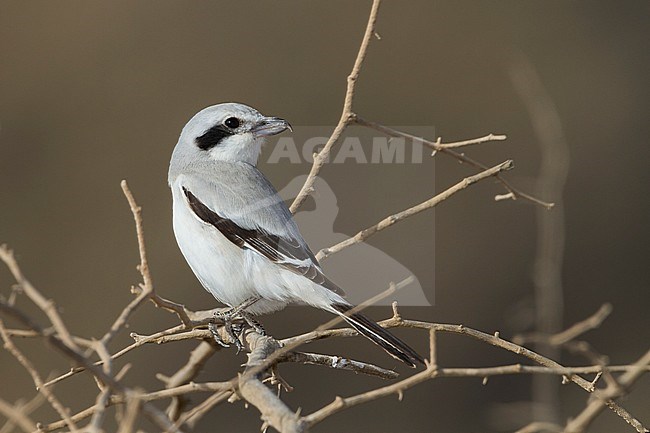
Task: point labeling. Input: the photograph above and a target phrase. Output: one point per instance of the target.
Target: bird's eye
(232, 122)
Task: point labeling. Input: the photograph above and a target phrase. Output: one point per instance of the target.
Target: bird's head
(228, 132)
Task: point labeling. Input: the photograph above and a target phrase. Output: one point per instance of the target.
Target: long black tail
(378, 335)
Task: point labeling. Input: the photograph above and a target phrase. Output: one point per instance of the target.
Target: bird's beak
(271, 126)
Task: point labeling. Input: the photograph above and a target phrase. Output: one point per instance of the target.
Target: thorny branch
(36, 377)
(265, 352)
(16, 416)
(76, 357)
(349, 117)
(428, 204)
(277, 415)
(346, 115)
(447, 149)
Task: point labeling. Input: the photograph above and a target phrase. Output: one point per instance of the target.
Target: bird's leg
(227, 317)
(248, 317)
(244, 305)
(215, 334)
(235, 331)
(257, 326)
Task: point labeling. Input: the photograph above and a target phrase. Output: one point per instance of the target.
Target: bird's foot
(235, 331)
(257, 326)
(215, 334)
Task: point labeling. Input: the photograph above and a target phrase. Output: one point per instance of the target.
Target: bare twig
(193, 416)
(95, 425)
(175, 333)
(152, 412)
(46, 305)
(513, 193)
(148, 397)
(25, 410)
(531, 369)
(433, 347)
(274, 411)
(596, 406)
(127, 424)
(592, 322)
(36, 377)
(16, 416)
(549, 296)
(346, 115)
(341, 403)
(198, 357)
(137, 217)
(24, 333)
(173, 307)
(224, 390)
(552, 366)
(472, 142)
(340, 363)
(147, 288)
(428, 204)
(541, 427)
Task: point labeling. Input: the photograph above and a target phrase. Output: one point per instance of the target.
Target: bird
(237, 234)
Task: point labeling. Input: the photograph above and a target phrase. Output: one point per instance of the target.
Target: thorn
(400, 395)
(593, 382)
(565, 379)
(496, 334)
(378, 36)
(485, 380)
(501, 197)
(396, 314)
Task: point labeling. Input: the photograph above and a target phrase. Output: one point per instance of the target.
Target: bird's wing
(249, 212)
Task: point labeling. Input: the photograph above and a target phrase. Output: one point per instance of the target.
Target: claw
(215, 335)
(235, 331)
(232, 333)
(257, 326)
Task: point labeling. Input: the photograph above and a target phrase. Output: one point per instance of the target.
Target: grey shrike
(237, 234)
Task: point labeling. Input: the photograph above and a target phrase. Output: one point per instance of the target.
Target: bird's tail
(378, 335)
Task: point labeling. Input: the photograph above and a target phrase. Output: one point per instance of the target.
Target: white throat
(241, 148)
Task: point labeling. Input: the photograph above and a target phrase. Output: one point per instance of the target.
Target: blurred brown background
(94, 92)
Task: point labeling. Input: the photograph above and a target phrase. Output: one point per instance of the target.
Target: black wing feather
(273, 247)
